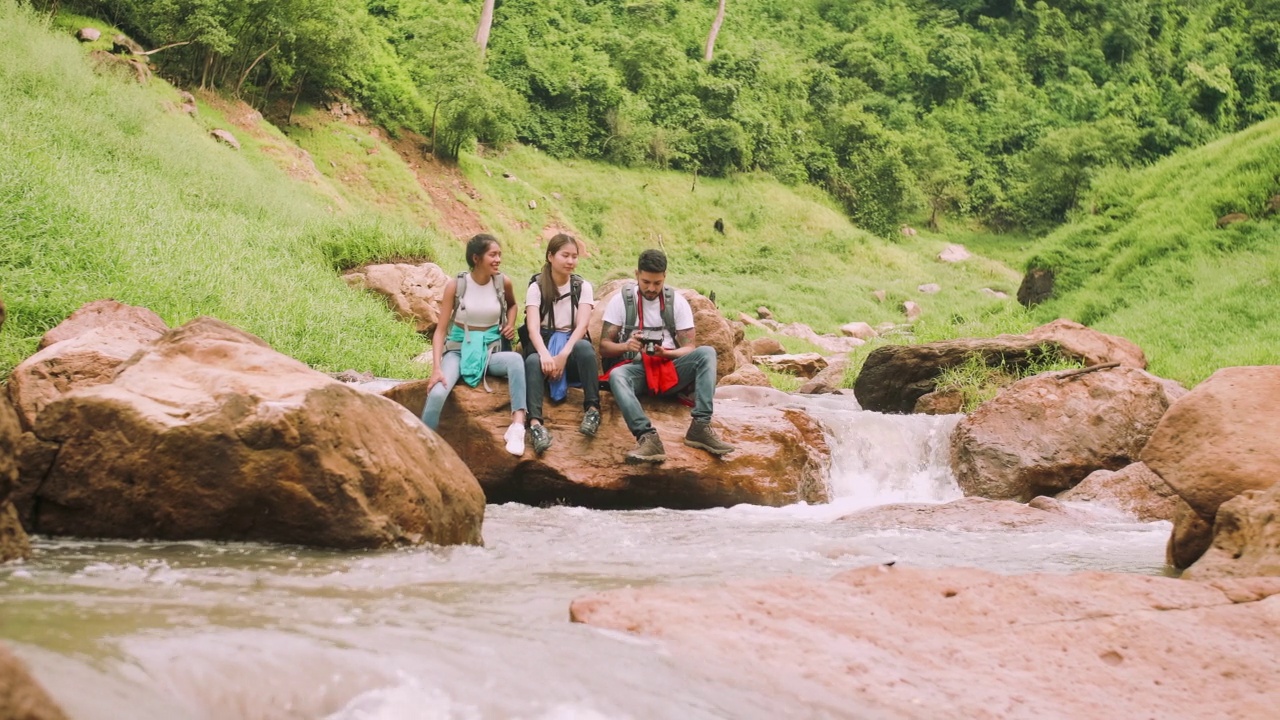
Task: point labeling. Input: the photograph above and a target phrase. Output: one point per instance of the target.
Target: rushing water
(205, 630)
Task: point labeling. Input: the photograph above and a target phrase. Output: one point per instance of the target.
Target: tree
(486, 24)
(715, 31)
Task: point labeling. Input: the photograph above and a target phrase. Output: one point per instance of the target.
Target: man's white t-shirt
(615, 313)
(562, 312)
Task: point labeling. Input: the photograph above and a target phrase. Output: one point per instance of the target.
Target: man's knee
(705, 354)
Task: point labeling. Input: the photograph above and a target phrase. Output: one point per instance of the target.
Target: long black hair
(477, 246)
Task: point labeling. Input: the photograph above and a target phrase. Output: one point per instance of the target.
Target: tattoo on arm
(609, 331)
(686, 338)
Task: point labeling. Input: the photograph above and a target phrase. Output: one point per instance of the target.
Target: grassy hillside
(1149, 262)
(107, 191)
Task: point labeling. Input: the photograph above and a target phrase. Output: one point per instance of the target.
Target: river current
(210, 631)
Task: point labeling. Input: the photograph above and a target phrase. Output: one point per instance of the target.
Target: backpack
(544, 313)
(499, 286)
(630, 325)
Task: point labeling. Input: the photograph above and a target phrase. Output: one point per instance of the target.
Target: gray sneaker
(701, 436)
(648, 450)
(541, 438)
(590, 422)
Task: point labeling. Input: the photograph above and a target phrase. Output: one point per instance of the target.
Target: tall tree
(486, 24)
(715, 30)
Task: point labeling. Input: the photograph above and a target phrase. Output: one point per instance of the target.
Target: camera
(651, 340)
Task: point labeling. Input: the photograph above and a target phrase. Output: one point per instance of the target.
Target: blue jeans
(501, 364)
(582, 367)
(698, 368)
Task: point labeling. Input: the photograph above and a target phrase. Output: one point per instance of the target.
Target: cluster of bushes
(1000, 109)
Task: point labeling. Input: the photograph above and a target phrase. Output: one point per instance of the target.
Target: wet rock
(1046, 433)
(1133, 490)
(804, 365)
(940, 402)
(1246, 538)
(965, 643)
(970, 514)
(1191, 537)
(21, 697)
(1220, 439)
(13, 540)
(413, 292)
(781, 458)
(1036, 287)
(828, 380)
(229, 440)
(954, 253)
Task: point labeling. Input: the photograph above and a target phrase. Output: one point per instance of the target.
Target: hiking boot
(590, 422)
(540, 437)
(514, 438)
(701, 436)
(648, 450)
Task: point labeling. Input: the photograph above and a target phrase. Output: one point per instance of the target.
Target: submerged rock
(210, 434)
(1133, 490)
(964, 515)
(781, 457)
(903, 642)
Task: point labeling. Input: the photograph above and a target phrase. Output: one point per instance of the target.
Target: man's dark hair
(654, 261)
(477, 246)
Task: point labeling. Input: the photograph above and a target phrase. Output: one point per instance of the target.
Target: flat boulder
(805, 365)
(1246, 538)
(781, 458)
(412, 292)
(1221, 439)
(895, 376)
(1133, 490)
(1046, 433)
(21, 696)
(210, 434)
(100, 313)
(971, 514)
(964, 643)
(767, 346)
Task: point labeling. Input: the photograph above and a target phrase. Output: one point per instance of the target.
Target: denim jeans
(582, 367)
(501, 364)
(698, 368)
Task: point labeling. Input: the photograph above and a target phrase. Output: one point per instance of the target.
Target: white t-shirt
(562, 311)
(615, 313)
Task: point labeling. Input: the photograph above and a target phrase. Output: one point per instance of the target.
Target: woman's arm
(445, 321)
(508, 328)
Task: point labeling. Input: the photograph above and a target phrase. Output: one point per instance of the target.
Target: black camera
(651, 340)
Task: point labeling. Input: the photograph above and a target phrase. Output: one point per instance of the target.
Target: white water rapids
(210, 631)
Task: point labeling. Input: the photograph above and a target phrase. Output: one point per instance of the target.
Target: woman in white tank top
(468, 339)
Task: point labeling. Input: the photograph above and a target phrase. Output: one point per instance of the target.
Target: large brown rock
(1246, 538)
(413, 292)
(1221, 439)
(828, 380)
(781, 457)
(1191, 537)
(21, 697)
(1133, 490)
(767, 346)
(1043, 434)
(746, 375)
(100, 313)
(710, 327)
(895, 376)
(1088, 345)
(969, 514)
(209, 433)
(964, 643)
(13, 540)
(80, 360)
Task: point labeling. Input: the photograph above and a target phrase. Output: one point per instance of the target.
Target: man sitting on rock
(650, 328)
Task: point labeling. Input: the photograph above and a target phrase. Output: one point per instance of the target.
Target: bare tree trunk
(715, 30)
(435, 112)
(302, 79)
(486, 23)
(245, 75)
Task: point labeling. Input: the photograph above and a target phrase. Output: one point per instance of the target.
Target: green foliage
(978, 379)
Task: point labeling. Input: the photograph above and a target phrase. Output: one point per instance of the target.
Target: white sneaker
(515, 439)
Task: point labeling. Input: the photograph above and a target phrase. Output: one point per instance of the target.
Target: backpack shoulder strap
(500, 287)
(629, 310)
(669, 313)
(458, 292)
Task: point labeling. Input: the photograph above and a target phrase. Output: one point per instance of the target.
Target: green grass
(1151, 265)
(105, 193)
(978, 382)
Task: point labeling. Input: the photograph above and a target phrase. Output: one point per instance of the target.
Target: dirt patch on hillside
(443, 182)
(289, 157)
